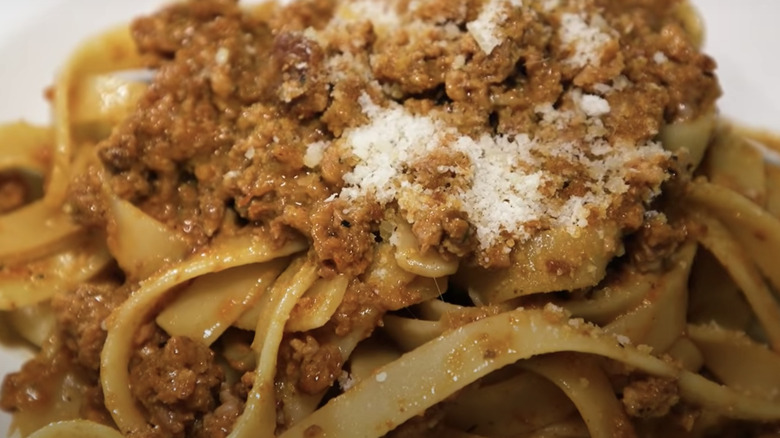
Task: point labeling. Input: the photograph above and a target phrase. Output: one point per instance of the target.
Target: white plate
(37, 35)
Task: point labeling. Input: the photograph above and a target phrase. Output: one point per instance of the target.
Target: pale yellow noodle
(586, 385)
(482, 407)
(584, 258)
(259, 416)
(38, 230)
(613, 297)
(734, 259)
(128, 225)
(25, 147)
(690, 137)
(318, 304)
(409, 257)
(410, 333)
(661, 317)
(39, 280)
(756, 229)
(218, 299)
(76, 428)
(114, 378)
(734, 163)
(410, 385)
(738, 361)
(112, 51)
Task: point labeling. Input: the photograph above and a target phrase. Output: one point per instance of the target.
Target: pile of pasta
(689, 348)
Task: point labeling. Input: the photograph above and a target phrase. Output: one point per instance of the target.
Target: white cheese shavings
(485, 29)
(585, 38)
(222, 56)
(314, 153)
(499, 181)
(384, 148)
(593, 106)
(231, 174)
(346, 381)
(660, 57)
(382, 14)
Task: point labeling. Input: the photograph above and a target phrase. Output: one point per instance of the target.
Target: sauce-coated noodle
(389, 218)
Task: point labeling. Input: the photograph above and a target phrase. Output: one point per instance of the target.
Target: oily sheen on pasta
(369, 218)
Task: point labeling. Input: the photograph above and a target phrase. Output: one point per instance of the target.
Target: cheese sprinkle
(564, 160)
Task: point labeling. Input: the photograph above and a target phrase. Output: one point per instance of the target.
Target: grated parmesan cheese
(222, 56)
(485, 29)
(313, 155)
(586, 39)
(501, 182)
(660, 58)
(550, 5)
(501, 188)
(593, 106)
(382, 14)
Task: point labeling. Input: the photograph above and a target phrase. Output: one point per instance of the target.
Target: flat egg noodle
(33, 323)
(734, 258)
(123, 323)
(613, 298)
(39, 280)
(128, 225)
(690, 138)
(773, 190)
(259, 416)
(410, 333)
(38, 230)
(25, 147)
(738, 361)
(661, 317)
(76, 428)
(686, 353)
(408, 256)
(482, 408)
(318, 304)
(755, 229)
(411, 385)
(112, 51)
(733, 162)
(587, 386)
(218, 300)
(588, 253)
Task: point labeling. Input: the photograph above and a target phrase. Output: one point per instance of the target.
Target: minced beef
(225, 128)
(177, 382)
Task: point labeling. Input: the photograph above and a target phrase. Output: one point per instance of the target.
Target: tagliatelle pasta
(368, 218)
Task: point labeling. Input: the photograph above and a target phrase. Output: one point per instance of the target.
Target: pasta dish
(402, 218)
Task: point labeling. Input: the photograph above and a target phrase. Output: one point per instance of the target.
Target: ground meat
(14, 191)
(232, 124)
(219, 423)
(314, 366)
(651, 397)
(655, 242)
(71, 356)
(168, 152)
(343, 241)
(223, 128)
(86, 202)
(34, 385)
(176, 380)
(81, 316)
